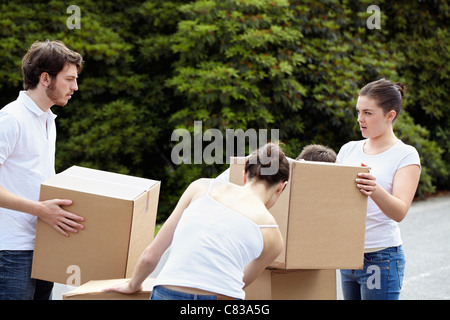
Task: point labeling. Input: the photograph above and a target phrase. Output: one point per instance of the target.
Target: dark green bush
(296, 66)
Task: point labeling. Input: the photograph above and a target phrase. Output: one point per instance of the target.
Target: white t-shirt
(27, 158)
(381, 231)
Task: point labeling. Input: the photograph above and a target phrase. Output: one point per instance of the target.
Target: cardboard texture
(120, 216)
(278, 284)
(321, 215)
(93, 290)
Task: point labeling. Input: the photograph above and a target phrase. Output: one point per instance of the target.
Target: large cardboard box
(321, 215)
(276, 284)
(93, 290)
(120, 215)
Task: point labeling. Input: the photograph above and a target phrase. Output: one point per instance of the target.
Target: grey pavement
(426, 241)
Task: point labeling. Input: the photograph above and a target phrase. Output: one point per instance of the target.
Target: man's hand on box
(63, 221)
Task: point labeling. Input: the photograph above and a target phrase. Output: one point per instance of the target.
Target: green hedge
(297, 66)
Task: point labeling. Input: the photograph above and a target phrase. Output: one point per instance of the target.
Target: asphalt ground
(426, 241)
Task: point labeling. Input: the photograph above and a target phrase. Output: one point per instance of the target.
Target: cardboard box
(321, 215)
(276, 284)
(92, 290)
(120, 216)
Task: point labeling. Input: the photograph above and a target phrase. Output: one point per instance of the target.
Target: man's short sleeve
(9, 134)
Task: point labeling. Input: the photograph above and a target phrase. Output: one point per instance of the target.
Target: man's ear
(45, 79)
(245, 176)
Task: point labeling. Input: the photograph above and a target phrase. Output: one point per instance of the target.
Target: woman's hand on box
(366, 182)
(125, 288)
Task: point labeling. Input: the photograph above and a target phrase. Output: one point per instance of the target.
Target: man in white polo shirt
(27, 158)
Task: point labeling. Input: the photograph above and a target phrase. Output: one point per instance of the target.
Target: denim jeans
(15, 277)
(162, 293)
(380, 279)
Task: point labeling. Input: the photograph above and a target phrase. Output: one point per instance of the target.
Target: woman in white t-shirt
(390, 186)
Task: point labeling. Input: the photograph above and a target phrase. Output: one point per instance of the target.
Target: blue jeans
(380, 279)
(15, 277)
(162, 293)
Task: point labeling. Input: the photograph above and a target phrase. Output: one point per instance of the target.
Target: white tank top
(210, 248)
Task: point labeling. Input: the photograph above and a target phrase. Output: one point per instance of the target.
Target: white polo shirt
(27, 158)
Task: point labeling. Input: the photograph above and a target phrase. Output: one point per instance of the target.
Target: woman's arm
(149, 259)
(394, 206)
(273, 245)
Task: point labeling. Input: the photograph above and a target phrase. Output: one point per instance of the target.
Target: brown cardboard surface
(274, 284)
(120, 214)
(321, 215)
(93, 290)
(261, 288)
(327, 219)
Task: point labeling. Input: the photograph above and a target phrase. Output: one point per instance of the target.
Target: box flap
(103, 183)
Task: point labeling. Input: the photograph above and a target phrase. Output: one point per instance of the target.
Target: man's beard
(55, 95)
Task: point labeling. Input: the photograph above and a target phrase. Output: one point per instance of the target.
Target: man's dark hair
(48, 56)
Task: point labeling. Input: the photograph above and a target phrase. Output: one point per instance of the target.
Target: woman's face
(373, 122)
